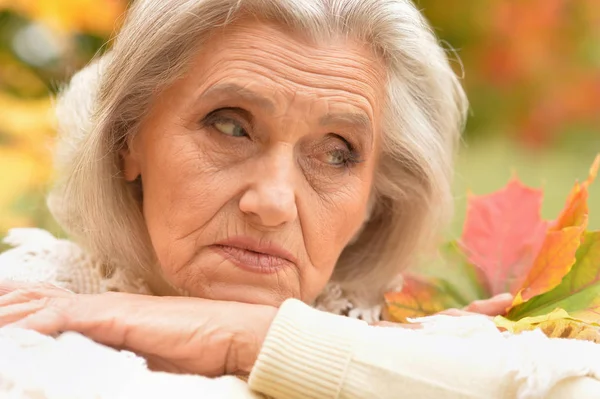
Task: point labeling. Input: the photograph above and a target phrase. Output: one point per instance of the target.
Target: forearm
(311, 354)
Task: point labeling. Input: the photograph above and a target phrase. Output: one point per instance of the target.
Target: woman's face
(257, 166)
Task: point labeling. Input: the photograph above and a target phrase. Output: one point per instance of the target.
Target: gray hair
(423, 117)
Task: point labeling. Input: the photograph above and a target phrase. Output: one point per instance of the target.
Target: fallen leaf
(448, 281)
(579, 291)
(554, 261)
(557, 255)
(419, 297)
(503, 235)
(576, 209)
(556, 324)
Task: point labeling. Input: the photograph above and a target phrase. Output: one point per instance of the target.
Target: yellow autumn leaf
(556, 324)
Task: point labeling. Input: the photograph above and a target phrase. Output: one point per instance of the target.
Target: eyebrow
(360, 120)
(236, 90)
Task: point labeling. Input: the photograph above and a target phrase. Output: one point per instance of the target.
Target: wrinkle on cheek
(287, 284)
(353, 216)
(189, 276)
(335, 222)
(191, 183)
(181, 218)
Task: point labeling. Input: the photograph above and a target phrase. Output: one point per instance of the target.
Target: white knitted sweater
(38, 256)
(450, 358)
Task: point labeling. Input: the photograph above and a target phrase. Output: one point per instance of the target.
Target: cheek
(328, 224)
(333, 221)
(179, 196)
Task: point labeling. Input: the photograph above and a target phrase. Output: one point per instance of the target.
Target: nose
(270, 198)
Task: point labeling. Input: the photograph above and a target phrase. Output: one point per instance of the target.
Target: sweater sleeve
(312, 354)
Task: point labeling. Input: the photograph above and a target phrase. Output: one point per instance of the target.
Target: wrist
(248, 338)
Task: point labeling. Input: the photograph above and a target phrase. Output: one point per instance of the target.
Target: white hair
(423, 117)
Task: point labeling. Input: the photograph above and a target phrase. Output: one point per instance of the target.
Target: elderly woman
(228, 163)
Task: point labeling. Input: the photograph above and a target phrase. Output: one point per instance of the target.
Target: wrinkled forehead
(271, 65)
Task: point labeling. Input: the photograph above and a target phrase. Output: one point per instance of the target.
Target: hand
(175, 334)
(492, 307)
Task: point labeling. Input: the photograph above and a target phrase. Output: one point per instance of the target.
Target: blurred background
(531, 70)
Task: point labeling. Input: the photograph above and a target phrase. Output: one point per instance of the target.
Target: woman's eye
(230, 128)
(336, 157)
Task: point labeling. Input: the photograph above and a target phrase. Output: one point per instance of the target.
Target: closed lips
(254, 256)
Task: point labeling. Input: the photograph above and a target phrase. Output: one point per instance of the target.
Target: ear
(131, 163)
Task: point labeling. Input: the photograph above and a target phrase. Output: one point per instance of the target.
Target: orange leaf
(579, 291)
(557, 254)
(554, 261)
(419, 297)
(503, 234)
(448, 280)
(576, 208)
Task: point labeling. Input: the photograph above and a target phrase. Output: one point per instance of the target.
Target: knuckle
(57, 306)
(35, 289)
(29, 293)
(45, 286)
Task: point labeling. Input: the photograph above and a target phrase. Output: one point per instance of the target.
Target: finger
(45, 321)
(31, 293)
(49, 310)
(506, 297)
(51, 316)
(494, 306)
(8, 286)
(89, 315)
(13, 313)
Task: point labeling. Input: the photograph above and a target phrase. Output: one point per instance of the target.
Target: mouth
(252, 255)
